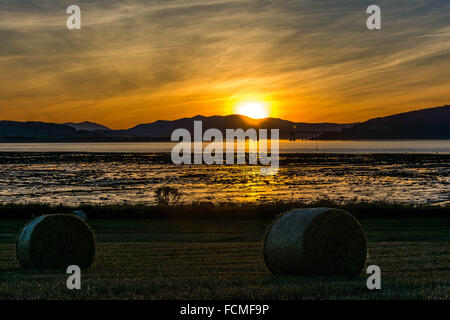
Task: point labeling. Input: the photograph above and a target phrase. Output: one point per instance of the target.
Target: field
(221, 259)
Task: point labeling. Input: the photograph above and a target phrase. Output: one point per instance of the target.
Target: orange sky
(140, 61)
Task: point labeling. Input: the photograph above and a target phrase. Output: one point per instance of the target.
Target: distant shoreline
(386, 146)
(168, 139)
(97, 140)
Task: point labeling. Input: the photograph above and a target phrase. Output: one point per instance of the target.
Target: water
(130, 178)
(286, 146)
(129, 172)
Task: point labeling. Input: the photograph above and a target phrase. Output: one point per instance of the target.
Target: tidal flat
(132, 178)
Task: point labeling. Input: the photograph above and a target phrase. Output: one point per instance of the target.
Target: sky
(139, 61)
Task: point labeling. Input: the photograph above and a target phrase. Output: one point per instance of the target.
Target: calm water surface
(286, 146)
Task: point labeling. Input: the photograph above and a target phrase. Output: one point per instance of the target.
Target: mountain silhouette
(35, 130)
(88, 126)
(164, 128)
(431, 123)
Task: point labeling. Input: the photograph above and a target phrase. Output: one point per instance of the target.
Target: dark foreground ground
(221, 259)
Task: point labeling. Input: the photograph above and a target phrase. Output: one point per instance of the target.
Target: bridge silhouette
(295, 134)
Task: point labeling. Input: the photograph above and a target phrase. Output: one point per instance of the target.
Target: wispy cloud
(139, 60)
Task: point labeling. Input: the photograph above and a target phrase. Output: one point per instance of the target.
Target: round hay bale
(55, 242)
(81, 214)
(315, 241)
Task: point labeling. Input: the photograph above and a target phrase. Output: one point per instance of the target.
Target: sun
(255, 110)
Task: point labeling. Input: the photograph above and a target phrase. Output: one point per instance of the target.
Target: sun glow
(255, 110)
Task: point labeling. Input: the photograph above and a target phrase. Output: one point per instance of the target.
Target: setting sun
(256, 110)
